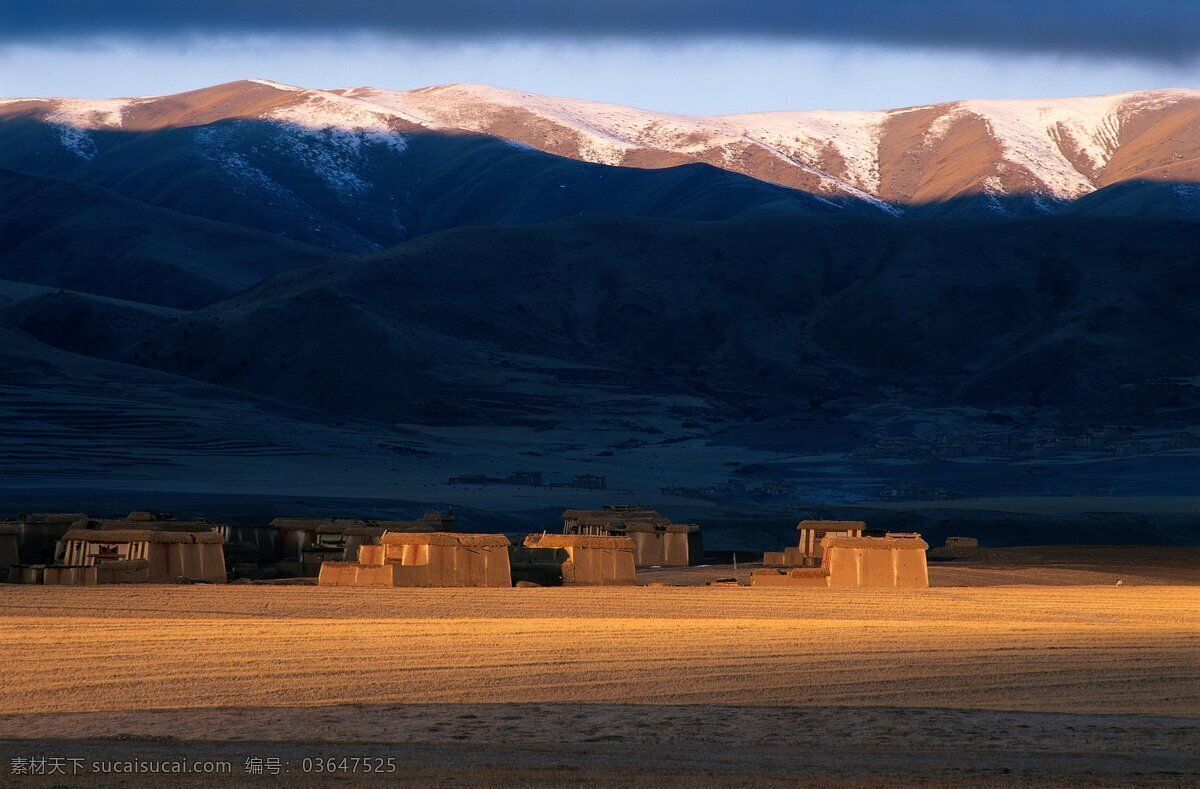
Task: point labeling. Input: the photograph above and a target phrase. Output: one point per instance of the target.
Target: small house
(809, 552)
(894, 561)
(250, 545)
(355, 537)
(813, 534)
(415, 559)
(881, 562)
(146, 555)
(664, 545)
(296, 534)
(657, 542)
(370, 532)
(338, 539)
(574, 559)
(597, 522)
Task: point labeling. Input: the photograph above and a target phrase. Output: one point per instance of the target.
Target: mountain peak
(273, 84)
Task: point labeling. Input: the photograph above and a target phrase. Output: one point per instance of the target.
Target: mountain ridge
(1058, 314)
(334, 172)
(1049, 150)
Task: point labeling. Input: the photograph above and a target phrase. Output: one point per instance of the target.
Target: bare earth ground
(718, 686)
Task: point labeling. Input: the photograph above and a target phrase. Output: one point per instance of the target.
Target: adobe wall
(797, 578)
(450, 565)
(338, 574)
(598, 566)
(665, 549)
(859, 567)
(371, 554)
(193, 561)
(70, 576)
(135, 571)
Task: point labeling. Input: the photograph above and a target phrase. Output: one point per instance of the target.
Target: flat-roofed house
(296, 534)
(312, 540)
(597, 522)
(146, 555)
(813, 533)
(809, 552)
(665, 545)
(250, 544)
(371, 531)
(896, 561)
(576, 559)
(415, 559)
(657, 542)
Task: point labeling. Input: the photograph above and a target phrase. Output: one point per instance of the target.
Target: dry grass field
(995, 684)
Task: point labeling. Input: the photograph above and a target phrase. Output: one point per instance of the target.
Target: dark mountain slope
(80, 237)
(363, 189)
(78, 423)
(86, 324)
(1142, 198)
(1074, 314)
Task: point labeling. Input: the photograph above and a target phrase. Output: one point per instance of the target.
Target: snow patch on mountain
(1041, 135)
(74, 119)
(607, 133)
(349, 121)
(215, 145)
(1037, 135)
(805, 135)
(829, 183)
(330, 135)
(333, 155)
(387, 102)
(276, 85)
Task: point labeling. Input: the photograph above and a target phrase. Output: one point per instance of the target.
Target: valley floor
(710, 685)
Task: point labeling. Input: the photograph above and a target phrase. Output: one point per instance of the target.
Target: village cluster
(595, 547)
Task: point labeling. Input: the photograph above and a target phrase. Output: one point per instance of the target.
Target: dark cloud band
(1150, 29)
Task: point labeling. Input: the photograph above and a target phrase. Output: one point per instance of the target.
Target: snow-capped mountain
(1005, 156)
(1057, 149)
(350, 174)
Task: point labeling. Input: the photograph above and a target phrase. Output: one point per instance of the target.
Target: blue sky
(702, 56)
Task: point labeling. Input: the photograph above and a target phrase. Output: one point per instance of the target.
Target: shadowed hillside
(362, 190)
(1070, 314)
(79, 237)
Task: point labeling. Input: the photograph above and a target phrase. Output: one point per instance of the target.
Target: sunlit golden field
(630, 668)
(1070, 649)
